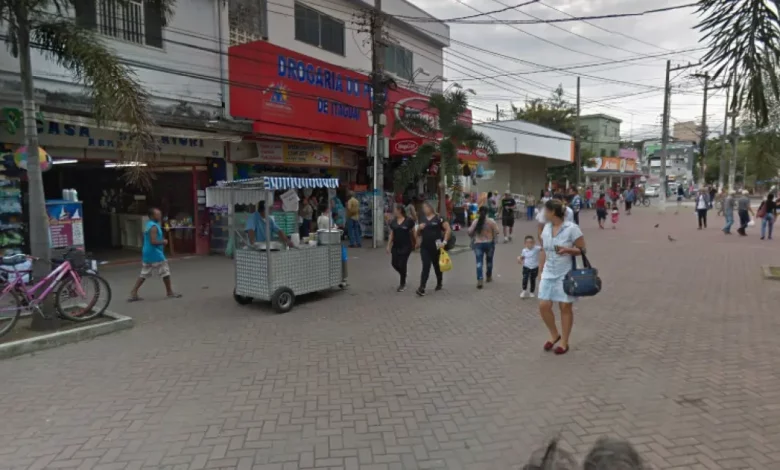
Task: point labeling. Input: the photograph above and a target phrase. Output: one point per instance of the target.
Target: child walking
(530, 261)
(615, 216)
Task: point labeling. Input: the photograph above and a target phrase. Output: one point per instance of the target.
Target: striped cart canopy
(252, 190)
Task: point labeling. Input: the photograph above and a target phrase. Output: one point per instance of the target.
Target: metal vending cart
(278, 275)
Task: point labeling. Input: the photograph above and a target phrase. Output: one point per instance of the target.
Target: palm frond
(744, 46)
(479, 141)
(115, 92)
(414, 167)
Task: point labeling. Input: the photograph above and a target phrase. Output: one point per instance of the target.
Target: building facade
(680, 158)
(687, 131)
(602, 134)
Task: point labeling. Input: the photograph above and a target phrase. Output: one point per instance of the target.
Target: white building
(336, 31)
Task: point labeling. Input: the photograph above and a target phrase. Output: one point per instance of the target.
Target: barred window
(318, 29)
(398, 60)
(137, 21)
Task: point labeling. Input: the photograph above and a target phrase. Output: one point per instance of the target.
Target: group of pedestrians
(766, 213)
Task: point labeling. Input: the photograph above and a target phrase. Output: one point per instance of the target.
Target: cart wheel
(240, 299)
(283, 299)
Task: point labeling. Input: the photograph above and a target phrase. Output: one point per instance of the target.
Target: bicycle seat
(13, 260)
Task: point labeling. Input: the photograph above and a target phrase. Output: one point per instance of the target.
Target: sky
(672, 33)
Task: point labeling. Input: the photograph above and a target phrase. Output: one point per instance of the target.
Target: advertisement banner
(66, 227)
(612, 165)
(296, 96)
(307, 154)
(343, 158)
(409, 146)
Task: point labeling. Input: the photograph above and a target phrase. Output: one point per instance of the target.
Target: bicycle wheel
(10, 309)
(82, 308)
(646, 202)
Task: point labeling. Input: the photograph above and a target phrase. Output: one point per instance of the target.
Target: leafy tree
(558, 114)
(554, 113)
(743, 37)
(111, 87)
(443, 137)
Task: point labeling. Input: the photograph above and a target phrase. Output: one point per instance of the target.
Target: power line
(448, 20)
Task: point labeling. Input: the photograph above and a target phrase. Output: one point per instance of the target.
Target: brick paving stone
(676, 355)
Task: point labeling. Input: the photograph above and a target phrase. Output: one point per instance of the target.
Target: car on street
(653, 190)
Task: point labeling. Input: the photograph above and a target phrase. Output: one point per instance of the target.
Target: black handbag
(584, 282)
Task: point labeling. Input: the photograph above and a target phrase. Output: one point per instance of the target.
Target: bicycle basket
(77, 260)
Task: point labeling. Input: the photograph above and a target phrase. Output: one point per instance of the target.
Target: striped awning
(251, 190)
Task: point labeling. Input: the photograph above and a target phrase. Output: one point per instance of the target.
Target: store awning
(122, 127)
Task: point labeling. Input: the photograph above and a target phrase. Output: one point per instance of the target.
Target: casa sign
(59, 134)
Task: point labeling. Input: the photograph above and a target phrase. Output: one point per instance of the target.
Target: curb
(60, 338)
(767, 273)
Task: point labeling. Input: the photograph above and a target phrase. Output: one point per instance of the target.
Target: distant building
(680, 157)
(687, 131)
(602, 134)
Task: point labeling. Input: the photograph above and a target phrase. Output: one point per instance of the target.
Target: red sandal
(550, 344)
(560, 351)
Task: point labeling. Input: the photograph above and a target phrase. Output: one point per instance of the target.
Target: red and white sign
(294, 96)
(408, 147)
(404, 147)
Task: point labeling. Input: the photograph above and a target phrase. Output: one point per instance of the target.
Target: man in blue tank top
(152, 256)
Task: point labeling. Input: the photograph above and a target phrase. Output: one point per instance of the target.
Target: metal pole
(703, 136)
(378, 110)
(733, 163)
(665, 139)
(498, 114)
(577, 143)
(722, 169)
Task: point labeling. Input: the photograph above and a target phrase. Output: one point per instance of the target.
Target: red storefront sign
(408, 146)
(291, 95)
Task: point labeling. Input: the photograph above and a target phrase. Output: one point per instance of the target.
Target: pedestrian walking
(680, 196)
(768, 214)
(353, 222)
(728, 212)
(629, 198)
(615, 216)
(575, 204)
(601, 210)
(153, 259)
(588, 197)
(433, 232)
(401, 243)
(702, 205)
(483, 233)
(560, 241)
(530, 206)
(508, 206)
(529, 258)
(744, 211)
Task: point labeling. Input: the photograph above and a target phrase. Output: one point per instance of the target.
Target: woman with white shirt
(702, 206)
(561, 241)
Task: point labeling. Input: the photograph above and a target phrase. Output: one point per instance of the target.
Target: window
(603, 152)
(398, 60)
(136, 21)
(613, 153)
(319, 29)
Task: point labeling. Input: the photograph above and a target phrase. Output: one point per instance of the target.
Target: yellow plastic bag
(445, 263)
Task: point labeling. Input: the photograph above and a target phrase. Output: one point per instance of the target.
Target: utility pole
(733, 162)
(703, 136)
(665, 137)
(577, 143)
(665, 130)
(722, 166)
(498, 114)
(378, 121)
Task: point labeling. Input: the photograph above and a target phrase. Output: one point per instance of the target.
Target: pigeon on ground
(671, 239)
(656, 225)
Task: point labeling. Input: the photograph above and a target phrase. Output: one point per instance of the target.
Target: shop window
(135, 21)
(319, 29)
(398, 60)
(603, 153)
(613, 153)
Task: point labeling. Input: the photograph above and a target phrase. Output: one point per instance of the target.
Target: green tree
(558, 114)
(743, 38)
(112, 88)
(443, 136)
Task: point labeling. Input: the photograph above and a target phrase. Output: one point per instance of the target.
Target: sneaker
(479, 284)
(531, 295)
(420, 292)
(523, 294)
(489, 279)
(401, 288)
(438, 287)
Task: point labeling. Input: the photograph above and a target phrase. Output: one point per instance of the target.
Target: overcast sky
(651, 34)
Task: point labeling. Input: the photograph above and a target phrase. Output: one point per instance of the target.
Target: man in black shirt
(508, 205)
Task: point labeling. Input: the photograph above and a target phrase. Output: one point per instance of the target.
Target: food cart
(270, 271)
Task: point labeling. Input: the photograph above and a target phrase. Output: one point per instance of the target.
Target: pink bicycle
(65, 281)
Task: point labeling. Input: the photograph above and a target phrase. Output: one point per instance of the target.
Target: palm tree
(743, 37)
(111, 87)
(443, 137)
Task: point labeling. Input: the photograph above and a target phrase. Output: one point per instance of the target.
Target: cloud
(561, 47)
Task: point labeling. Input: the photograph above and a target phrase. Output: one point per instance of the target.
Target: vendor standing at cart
(255, 227)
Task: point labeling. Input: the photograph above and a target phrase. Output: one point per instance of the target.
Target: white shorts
(161, 269)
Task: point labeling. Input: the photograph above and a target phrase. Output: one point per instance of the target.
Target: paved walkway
(679, 354)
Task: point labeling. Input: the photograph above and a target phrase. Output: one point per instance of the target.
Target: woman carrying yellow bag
(432, 229)
(445, 263)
